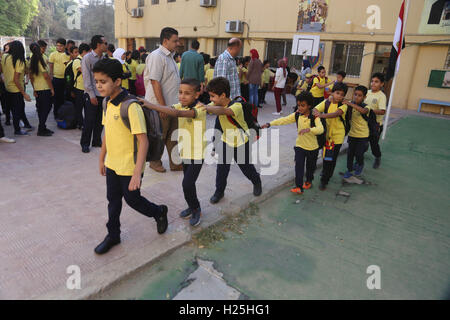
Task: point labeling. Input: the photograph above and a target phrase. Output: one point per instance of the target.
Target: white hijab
(118, 55)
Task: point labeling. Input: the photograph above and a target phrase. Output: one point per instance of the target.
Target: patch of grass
(232, 223)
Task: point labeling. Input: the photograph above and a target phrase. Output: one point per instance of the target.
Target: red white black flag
(396, 47)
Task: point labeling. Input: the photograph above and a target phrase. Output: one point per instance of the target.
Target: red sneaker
(297, 190)
(307, 185)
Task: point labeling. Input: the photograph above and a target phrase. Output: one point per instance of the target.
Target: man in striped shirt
(226, 66)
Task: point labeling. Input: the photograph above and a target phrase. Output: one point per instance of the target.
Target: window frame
(347, 46)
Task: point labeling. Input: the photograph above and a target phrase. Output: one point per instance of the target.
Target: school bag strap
(234, 121)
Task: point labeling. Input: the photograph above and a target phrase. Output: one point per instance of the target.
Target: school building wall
(277, 20)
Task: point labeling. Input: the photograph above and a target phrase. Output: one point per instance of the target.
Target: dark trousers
(317, 101)
(132, 86)
(283, 95)
(191, 172)
(43, 105)
(242, 157)
(245, 91)
(4, 102)
(277, 92)
(92, 128)
(17, 104)
(328, 166)
(2, 132)
(374, 143)
(302, 156)
(58, 99)
(116, 188)
(79, 106)
(262, 93)
(356, 149)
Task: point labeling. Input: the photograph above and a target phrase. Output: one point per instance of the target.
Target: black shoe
(44, 134)
(50, 131)
(257, 189)
(377, 163)
(28, 128)
(186, 213)
(85, 149)
(322, 186)
(195, 219)
(96, 145)
(106, 245)
(161, 222)
(216, 198)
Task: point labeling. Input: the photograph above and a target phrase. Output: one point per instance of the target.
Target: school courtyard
(315, 246)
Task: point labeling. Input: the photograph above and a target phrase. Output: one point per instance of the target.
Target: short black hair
(266, 62)
(194, 83)
(73, 48)
(307, 97)
(212, 62)
(83, 47)
(110, 67)
(340, 86)
(378, 75)
(70, 42)
(343, 74)
(167, 33)
(363, 89)
(111, 47)
(206, 58)
(176, 55)
(195, 44)
(218, 86)
(135, 55)
(96, 40)
(61, 41)
(144, 57)
(320, 68)
(42, 43)
(246, 59)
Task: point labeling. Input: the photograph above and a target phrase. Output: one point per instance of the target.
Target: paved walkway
(54, 210)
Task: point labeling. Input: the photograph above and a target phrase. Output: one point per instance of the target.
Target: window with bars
(447, 61)
(277, 49)
(152, 44)
(347, 56)
(155, 1)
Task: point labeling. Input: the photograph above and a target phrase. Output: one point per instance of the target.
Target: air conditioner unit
(141, 3)
(137, 12)
(234, 26)
(208, 3)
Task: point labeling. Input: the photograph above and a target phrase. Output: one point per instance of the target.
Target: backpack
(139, 84)
(153, 124)
(66, 116)
(345, 121)
(374, 126)
(69, 76)
(250, 116)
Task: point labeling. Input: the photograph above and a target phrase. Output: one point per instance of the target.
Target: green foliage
(15, 16)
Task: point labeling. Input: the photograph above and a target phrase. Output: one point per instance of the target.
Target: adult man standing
(92, 128)
(226, 66)
(162, 82)
(192, 64)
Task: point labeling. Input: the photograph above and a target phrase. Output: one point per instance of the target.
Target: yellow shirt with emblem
(9, 70)
(75, 65)
(315, 90)
(39, 82)
(232, 135)
(120, 140)
(307, 141)
(359, 128)
(376, 101)
(191, 134)
(59, 60)
(335, 126)
(209, 74)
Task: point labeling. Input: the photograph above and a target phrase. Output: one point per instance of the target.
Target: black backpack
(250, 116)
(69, 76)
(66, 116)
(374, 126)
(153, 123)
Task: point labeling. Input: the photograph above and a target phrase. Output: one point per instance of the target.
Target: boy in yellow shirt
(235, 138)
(191, 141)
(319, 85)
(78, 87)
(122, 167)
(376, 100)
(307, 147)
(57, 62)
(333, 110)
(265, 80)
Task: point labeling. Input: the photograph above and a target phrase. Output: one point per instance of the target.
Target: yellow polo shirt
(191, 134)
(140, 69)
(9, 70)
(315, 90)
(265, 77)
(120, 140)
(376, 101)
(39, 82)
(232, 135)
(307, 141)
(75, 65)
(359, 128)
(209, 74)
(125, 81)
(59, 60)
(335, 126)
(132, 66)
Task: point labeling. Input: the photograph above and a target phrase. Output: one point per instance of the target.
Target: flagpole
(397, 67)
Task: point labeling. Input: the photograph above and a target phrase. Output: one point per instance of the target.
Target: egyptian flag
(396, 48)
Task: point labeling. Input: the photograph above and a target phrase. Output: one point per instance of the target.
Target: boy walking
(376, 100)
(122, 167)
(235, 138)
(319, 85)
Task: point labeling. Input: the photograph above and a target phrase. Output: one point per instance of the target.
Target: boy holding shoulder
(123, 172)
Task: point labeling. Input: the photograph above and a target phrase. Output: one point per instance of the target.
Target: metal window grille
(155, 1)
(347, 56)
